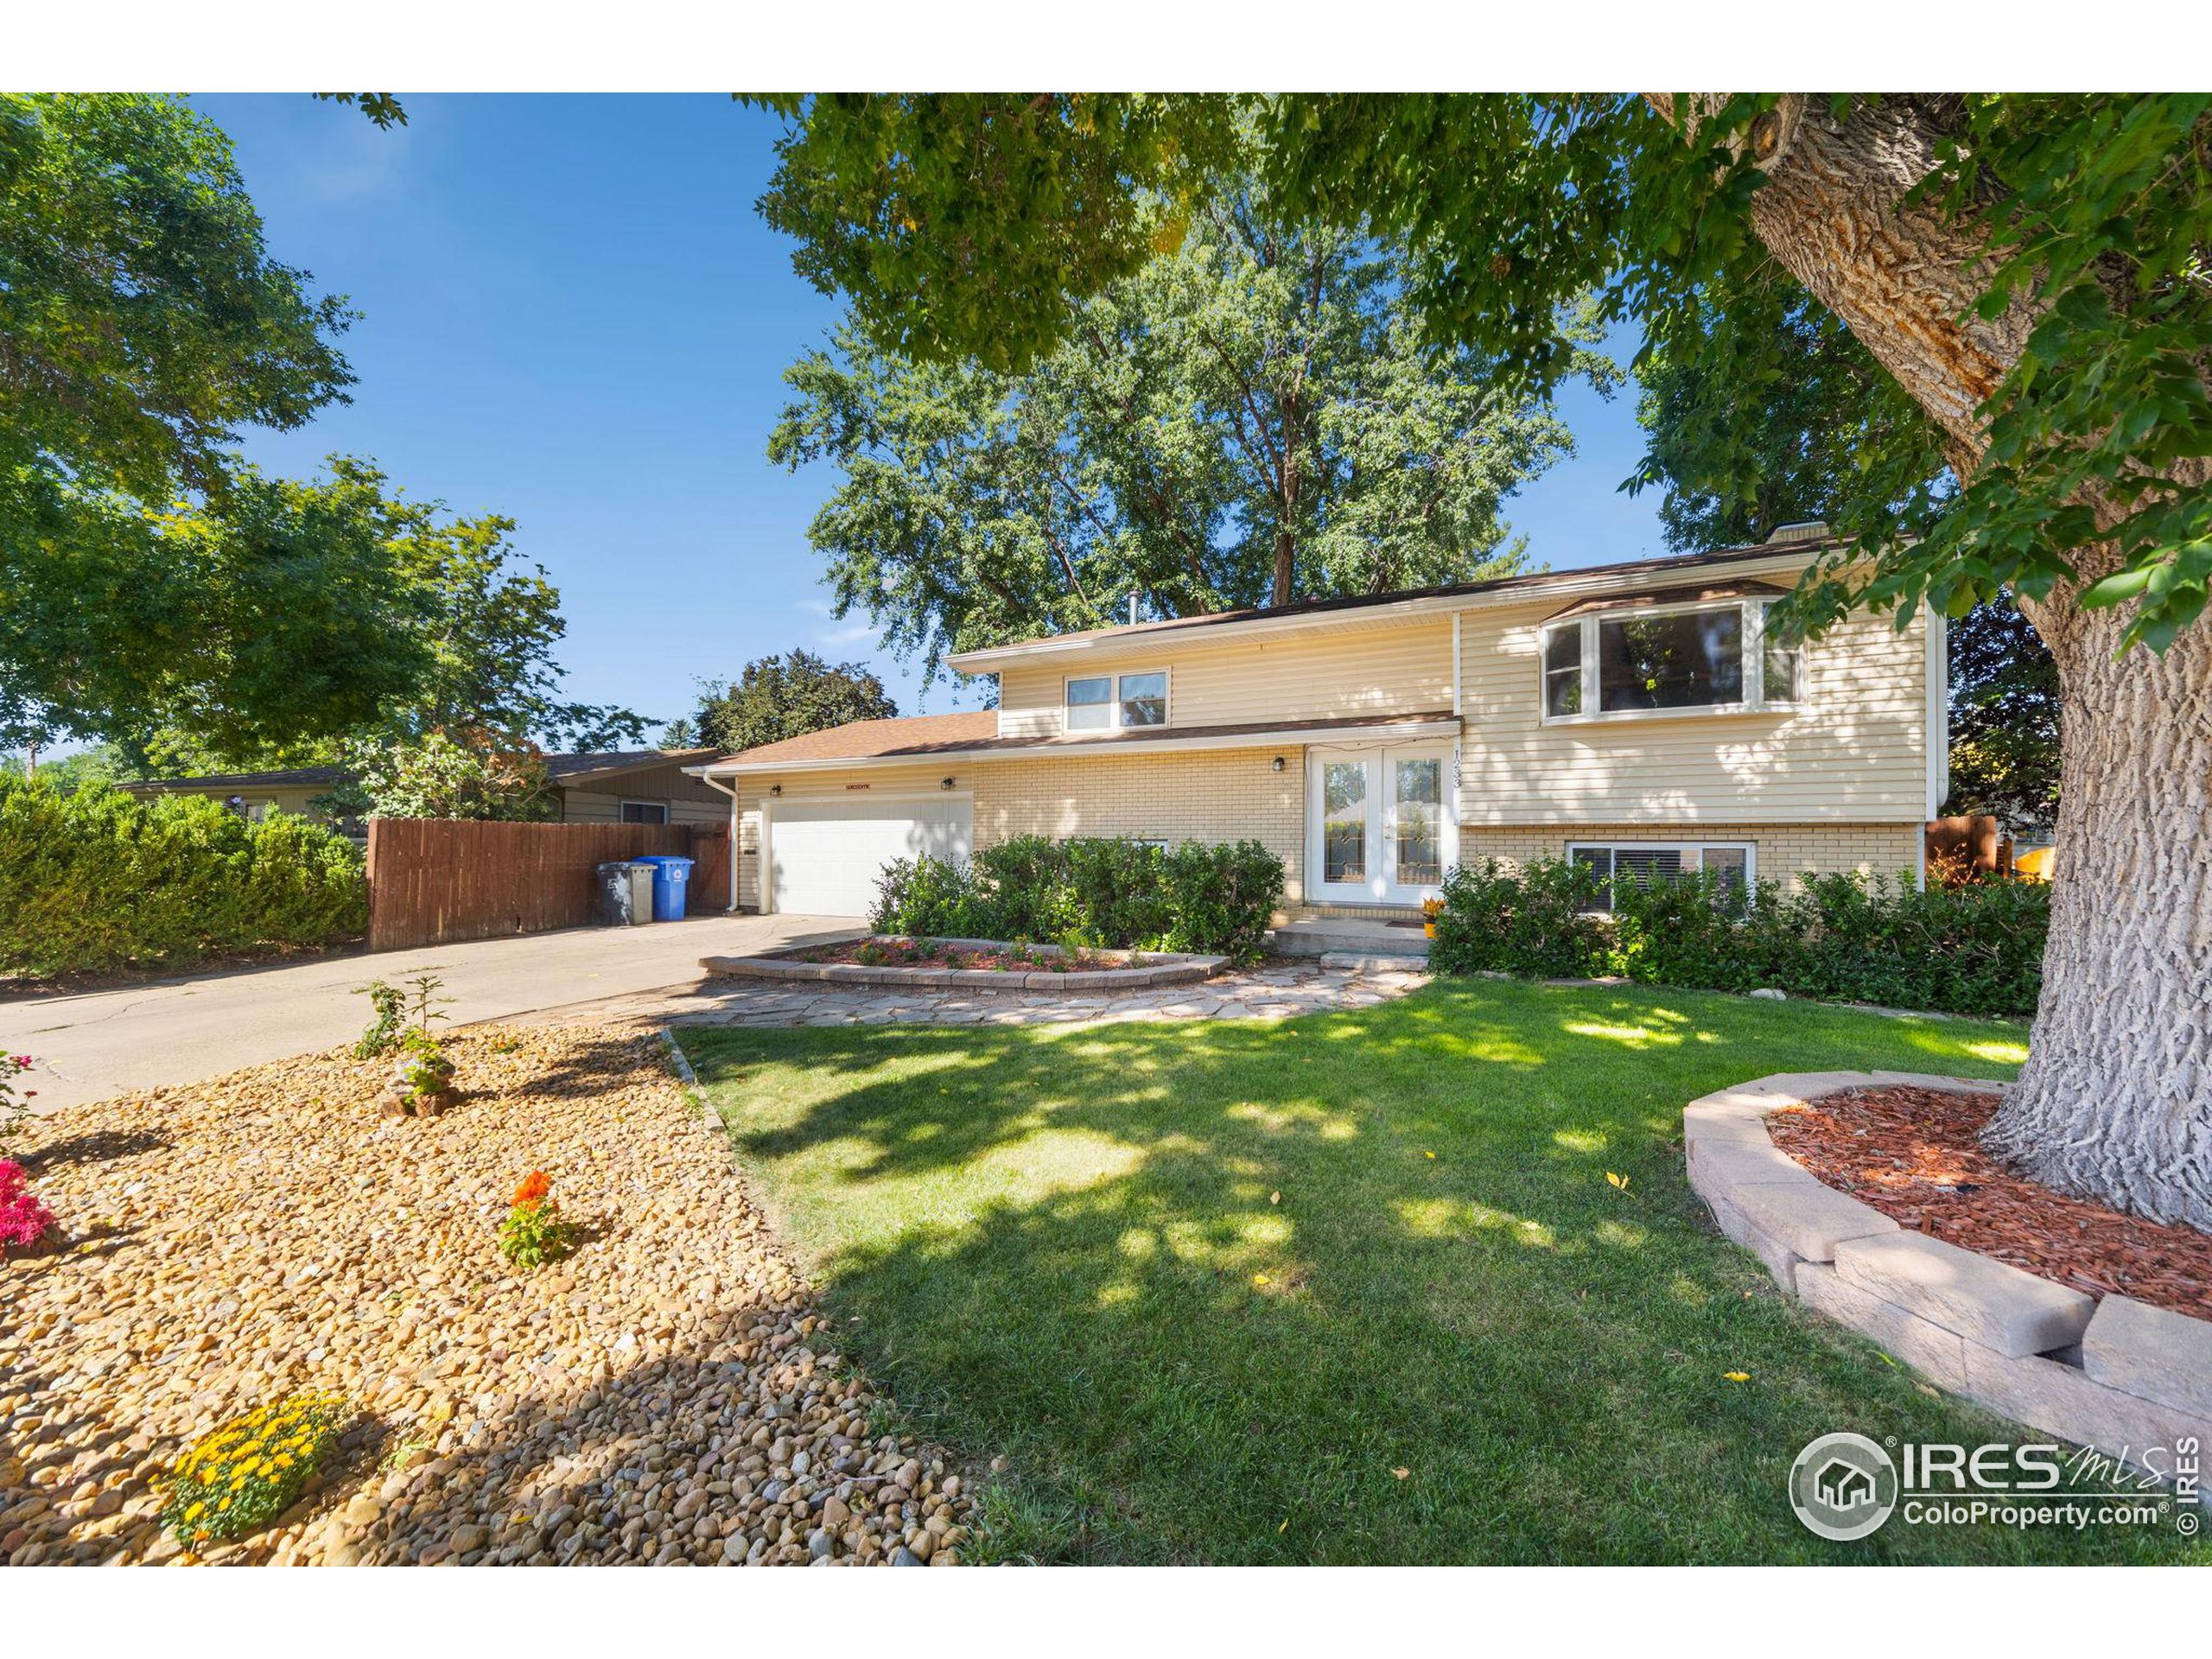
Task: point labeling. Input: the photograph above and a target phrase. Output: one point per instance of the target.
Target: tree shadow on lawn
(1211, 1286)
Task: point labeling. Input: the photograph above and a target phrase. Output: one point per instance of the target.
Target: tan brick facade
(1220, 795)
(1783, 849)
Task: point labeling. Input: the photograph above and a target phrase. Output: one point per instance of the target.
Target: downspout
(736, 852)
(1458, 747)
(1938, 725)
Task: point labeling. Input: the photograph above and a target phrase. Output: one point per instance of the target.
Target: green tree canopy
(473, 773)
(978, 225)
(1770, 411)
(451, 628)
(1250, 419)
(2006, 702)
(142, 325)
(781, 696)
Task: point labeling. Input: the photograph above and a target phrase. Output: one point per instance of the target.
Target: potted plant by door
(1430, 910)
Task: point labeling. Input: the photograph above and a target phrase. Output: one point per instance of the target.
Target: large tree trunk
(2115, 1101)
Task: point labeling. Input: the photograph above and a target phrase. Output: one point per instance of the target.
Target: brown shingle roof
(1669, 596)
(864, 739)
(1534, 583)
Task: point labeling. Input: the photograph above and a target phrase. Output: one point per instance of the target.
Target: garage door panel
(828, 854)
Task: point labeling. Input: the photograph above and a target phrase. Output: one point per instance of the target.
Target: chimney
(1804, 530)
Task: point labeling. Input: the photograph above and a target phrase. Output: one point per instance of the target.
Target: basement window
(1647, 863)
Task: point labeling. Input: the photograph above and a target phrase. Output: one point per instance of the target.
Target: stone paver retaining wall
(2118, 1374)
(1157, 969)
(1272, 991)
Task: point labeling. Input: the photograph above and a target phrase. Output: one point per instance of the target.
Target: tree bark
(2115, 1101)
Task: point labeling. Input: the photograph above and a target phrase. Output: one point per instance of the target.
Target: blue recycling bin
(670, 877)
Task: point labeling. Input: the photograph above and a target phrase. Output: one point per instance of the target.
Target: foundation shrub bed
(94, 880)
(1976, 949)
(1091, 893)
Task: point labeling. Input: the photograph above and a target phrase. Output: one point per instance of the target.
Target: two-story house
(1641, 717)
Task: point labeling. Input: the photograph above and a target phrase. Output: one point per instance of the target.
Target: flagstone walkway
(1275, 990)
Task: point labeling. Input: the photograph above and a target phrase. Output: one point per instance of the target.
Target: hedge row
(1974, 948)
(1093, 893)
(95, 879)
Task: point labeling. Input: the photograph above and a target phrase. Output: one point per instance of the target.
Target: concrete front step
(1365, 961)
(1360, 937)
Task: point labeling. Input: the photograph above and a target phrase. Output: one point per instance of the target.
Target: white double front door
(1382, 827)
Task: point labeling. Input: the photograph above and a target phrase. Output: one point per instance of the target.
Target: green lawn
(1066, 1247)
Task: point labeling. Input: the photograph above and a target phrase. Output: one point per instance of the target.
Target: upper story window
(1681, 658)
(1106, 702)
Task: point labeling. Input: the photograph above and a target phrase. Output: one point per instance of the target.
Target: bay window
(1719, 659)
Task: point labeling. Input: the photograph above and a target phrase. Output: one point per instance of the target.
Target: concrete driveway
(106, 1043)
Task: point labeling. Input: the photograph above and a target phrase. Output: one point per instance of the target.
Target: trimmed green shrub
(95, 879)
(1535, 921)
(1220, 899)
(1092, 891)
(1974, 948)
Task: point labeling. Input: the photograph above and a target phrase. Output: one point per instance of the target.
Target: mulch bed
(878, 953)
(1916, 1155)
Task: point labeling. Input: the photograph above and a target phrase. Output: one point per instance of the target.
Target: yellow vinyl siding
(1856, 750)
(1400, 669)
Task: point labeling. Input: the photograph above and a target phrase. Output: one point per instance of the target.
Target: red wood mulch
(1916, 1155)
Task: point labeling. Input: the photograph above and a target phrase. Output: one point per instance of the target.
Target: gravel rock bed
(670, 1394)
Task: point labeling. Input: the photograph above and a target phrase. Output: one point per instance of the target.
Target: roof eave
(1511, 591)
(1404, 726)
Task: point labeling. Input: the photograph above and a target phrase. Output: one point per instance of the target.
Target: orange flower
(535, 1185)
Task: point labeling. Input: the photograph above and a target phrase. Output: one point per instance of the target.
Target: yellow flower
(194, 1512)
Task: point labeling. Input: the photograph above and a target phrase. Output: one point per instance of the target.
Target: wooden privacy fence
(1960, 849)
(438, 880)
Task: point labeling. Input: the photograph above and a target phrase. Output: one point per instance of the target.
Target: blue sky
(572, 315)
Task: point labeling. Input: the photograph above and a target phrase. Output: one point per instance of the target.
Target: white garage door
(826, 853)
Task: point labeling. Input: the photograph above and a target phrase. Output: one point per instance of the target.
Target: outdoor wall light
(1278, 763)
(945, 783)
(775, 788)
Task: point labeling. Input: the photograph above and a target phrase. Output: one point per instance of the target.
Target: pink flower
(23, 1219)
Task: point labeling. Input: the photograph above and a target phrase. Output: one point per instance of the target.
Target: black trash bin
(625, 893)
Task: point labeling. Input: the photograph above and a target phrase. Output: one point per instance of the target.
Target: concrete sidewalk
(180, 1030)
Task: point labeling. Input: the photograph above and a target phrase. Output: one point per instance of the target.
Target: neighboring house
(617, 786)
(1634, 717)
